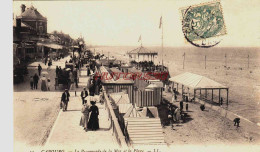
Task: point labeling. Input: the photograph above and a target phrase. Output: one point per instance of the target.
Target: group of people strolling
(87, 122)
(45, 83)
(175, 113)
(34, 82)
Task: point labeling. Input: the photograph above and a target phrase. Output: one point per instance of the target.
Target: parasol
(45, 72)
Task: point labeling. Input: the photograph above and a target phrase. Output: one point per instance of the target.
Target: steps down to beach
(146, 131)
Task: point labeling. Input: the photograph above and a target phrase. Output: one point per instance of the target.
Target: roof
(196, 81)
(126, 66)
(123, 108)
(120, 97)
(146, 112)
(142, 51)
(151, 86)
(133, 112)
(134, 70)
(157, 82)
(31, 13)
(113, 75)
(22, 24)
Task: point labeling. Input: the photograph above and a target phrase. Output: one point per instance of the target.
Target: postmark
(203, 24)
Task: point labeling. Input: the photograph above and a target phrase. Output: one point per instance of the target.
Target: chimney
(23, 8)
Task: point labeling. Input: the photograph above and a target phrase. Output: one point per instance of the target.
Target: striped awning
(195, 81)
(50, 45)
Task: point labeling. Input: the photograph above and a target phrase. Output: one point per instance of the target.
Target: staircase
(145, 131)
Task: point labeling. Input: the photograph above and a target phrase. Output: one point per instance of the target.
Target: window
(29, 50)
(19, 51)
(40, 29)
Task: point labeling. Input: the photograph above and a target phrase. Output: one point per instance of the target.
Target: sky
(122, 22)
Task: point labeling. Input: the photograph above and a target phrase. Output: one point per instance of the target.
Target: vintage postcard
(136, 75)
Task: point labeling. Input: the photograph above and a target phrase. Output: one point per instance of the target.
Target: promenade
(66, 131)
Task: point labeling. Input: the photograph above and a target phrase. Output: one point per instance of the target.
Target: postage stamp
(203, 24)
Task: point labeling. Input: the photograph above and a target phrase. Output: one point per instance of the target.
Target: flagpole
(248, 61)
(183, 60)
(162, 42)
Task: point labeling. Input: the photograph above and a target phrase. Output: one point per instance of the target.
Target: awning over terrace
(195, 81)
(198, 82)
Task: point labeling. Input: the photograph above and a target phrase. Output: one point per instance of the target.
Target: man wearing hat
(83, 95)
(65, 99)
(39, 69)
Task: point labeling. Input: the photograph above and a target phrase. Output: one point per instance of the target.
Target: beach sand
(208, 128)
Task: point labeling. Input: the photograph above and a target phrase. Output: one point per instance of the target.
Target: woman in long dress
(85, 116)
(93, 123)
(88, 71)
(43, 83)
(91, 88)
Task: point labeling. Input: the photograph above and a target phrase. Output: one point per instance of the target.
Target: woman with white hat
(85, 116)
(43, 83)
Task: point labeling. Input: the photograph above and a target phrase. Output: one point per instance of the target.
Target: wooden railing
(117, 132)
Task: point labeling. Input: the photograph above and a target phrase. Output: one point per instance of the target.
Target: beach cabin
(147, 92)
(113, 82)
(124, 67)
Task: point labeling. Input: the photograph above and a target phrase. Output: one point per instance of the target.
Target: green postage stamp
(202, 22)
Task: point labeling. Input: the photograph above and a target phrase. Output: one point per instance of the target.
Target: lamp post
(80, 48)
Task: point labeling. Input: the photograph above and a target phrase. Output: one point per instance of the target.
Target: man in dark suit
(39, 69)
(83, 95)
(65, 99)
(35, 81)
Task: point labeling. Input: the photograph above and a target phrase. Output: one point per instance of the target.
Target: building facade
(29, 28)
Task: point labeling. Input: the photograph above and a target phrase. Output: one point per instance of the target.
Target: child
(49, 83)
(49, 66)
(187, 107)
(202, 107)
(31, 82)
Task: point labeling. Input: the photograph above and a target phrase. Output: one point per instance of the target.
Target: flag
(140, 38)
(160, 22)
